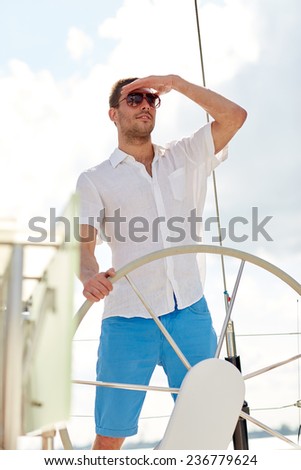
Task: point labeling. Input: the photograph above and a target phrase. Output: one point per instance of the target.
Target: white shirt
(138, 214)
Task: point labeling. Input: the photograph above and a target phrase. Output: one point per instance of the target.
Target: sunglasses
(136, 97)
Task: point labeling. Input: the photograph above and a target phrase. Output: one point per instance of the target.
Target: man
(142, 199)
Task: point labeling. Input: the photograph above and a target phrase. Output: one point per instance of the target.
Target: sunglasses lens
(136, 98)
(153, 100)
(133, 99)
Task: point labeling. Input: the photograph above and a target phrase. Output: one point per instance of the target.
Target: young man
(144, 198)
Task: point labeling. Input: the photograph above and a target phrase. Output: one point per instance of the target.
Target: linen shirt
(138, 214)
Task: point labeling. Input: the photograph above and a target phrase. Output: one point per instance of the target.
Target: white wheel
(209, 249)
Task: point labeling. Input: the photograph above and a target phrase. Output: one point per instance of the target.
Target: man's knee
(107, 443)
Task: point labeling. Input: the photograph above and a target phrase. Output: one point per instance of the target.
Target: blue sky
(58, 61)
(34, 31)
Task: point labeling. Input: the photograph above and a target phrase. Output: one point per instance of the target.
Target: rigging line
(213, 172)
(289, 333)
(298, 367)
(200, 46)
(273, 408)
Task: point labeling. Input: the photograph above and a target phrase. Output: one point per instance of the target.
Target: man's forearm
(219, 107)
(88, 267)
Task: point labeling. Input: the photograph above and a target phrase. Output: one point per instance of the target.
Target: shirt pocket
(177, 182)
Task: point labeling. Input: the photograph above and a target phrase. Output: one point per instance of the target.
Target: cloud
(230, 38)
(57, 127)
(163, 37)
(78, 43)
(53, 129)
(50, 131)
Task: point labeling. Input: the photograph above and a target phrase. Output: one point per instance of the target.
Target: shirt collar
(159, 150)
(118, 155)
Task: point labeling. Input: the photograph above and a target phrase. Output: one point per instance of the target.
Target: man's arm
(96, 285)
(227, 116)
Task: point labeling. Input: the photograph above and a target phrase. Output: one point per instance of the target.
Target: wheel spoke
(136, 387)
(268, 430)
(164, 331)
(272, 366)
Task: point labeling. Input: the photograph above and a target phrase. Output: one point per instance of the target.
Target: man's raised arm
(227, 116)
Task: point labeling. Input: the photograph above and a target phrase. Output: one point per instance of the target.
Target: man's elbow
(239, 117)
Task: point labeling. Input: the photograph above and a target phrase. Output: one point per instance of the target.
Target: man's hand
(159, 83)
(99, 286)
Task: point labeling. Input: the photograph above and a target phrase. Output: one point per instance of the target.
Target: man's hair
(116, 89)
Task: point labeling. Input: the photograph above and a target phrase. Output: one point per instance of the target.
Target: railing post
(13, 350)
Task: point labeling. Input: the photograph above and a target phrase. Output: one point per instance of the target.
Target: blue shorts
(130, 349)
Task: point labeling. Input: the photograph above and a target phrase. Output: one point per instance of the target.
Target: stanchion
(240, 436)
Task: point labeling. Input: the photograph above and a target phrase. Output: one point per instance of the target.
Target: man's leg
(128, 353)
(107, 443)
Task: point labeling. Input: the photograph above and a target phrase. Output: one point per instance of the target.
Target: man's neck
(143, 152)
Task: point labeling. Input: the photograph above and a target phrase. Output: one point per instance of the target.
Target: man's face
(136, 120)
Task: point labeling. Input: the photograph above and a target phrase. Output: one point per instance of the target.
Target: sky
(56, 70)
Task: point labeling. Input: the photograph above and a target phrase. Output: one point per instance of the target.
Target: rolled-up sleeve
(199, 149)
